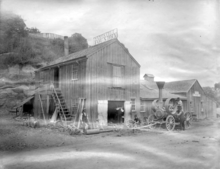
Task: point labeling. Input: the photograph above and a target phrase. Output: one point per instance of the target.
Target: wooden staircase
(61, 107)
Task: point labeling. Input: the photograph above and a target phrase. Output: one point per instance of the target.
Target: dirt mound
(16, 84)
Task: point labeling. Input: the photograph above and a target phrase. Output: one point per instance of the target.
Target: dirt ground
(22, 147)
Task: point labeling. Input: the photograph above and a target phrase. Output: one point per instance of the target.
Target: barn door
(197, 106)
(127, 116)
(102, 112)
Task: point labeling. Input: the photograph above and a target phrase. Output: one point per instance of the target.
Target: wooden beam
(42, 109)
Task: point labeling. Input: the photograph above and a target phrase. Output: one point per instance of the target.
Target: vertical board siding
(202, 106)
(99, 71)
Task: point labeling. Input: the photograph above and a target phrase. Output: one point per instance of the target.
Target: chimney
(66, 46)
(160, 87)
(149, 77)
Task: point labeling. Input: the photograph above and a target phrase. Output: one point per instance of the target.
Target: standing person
(180, 113)
(85, 121)
(120, 114)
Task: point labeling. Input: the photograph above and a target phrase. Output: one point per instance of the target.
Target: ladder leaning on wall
(61, 107)
(79, 111)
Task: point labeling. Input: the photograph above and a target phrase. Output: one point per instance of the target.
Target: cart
(163, 115)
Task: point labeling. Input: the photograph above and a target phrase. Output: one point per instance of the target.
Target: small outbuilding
(197, 102)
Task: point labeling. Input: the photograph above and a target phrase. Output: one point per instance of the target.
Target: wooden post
(48, 105)
(42, 108)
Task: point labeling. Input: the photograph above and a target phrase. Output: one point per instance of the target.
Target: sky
(171, 39)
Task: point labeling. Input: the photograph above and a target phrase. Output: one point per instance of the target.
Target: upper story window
(142, 107)
(133, 107)
(117, 76)
(74, 73)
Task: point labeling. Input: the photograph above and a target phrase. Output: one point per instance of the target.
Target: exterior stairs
(61, 107)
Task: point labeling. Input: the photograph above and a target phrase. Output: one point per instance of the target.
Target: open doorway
(115, 111)
(56, 77)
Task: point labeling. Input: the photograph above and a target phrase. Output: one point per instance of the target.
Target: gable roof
(86, 53)
(179, 86)
(150, 91)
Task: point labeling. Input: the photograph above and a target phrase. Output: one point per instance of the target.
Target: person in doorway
(120, 114)
(180, 113)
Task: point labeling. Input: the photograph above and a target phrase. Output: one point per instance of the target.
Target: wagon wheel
(151, 121)
(188, 120)
(170, 123)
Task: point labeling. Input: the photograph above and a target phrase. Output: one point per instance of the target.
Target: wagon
(163, 115)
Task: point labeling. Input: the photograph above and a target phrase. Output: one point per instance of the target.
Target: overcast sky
(171, 39)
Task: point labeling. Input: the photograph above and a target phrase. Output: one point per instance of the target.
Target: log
(97, 131)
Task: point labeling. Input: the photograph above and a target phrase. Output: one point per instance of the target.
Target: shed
(197, 102)
(106, 76)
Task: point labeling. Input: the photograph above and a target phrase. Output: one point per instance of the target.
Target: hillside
(21, 54)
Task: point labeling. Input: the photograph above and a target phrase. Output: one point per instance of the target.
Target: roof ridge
(81, 53)
(182, 80)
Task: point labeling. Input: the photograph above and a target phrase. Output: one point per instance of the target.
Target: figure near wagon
(179, 113)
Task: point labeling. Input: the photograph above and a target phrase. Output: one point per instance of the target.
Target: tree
(77, 42)
(217, 86)
(32, 30)
(12, 29)
(210, 92)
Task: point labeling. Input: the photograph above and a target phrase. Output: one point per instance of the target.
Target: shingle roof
(149, 91)
(86, 52)
(179, 86)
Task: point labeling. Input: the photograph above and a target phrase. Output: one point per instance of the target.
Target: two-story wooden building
(106, 75)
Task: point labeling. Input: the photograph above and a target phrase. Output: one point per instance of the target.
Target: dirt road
(197, 147)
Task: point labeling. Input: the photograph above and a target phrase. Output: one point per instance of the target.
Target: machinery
(163, 112)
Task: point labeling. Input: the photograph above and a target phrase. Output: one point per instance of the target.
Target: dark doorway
(56, 77)
(28, 107)
(115, 113)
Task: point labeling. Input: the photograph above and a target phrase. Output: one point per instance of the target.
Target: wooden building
(197, 102)
(189, 91)
(106, 75)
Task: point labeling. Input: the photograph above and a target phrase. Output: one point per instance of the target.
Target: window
(142, 108)
(133, 108)
(75, 73)
(117, 76)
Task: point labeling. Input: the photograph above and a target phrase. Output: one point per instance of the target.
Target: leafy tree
(210, 92)
(22, 55)
(32, 30)
(12, 29)
(59, 43)
(77, 42)
(217, 86)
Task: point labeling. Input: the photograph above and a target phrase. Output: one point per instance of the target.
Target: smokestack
(160, 87)
(66, 46)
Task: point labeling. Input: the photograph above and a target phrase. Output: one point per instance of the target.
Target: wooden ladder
(61, 107)
(80, 108)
